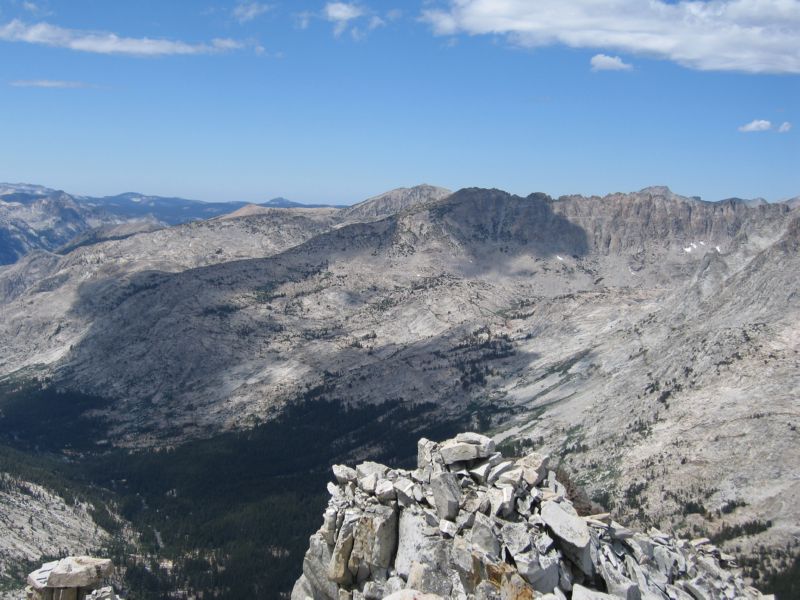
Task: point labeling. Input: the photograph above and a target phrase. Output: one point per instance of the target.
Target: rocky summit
(72, 578)
(471, 523)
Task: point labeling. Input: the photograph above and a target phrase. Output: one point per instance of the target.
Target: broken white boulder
(374, 541)
(516, 537)
(384, 491)
(371, 468)
(315, 570)
(338, 570)
(512, 476)
(79, 572)
(540, 571)
(367, 483)
(573, 533)
(424, 578)
(38, 578)
(501, 500)
(498, 469)
(534, 467)
(448, 528)
(466, 448)
(446, 494)
(483, 537)
(104, 593)
(344, 474)
(417, 541)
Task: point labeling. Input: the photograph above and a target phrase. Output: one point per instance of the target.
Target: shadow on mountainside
(154, 332)
(172, 344)
(478, 217)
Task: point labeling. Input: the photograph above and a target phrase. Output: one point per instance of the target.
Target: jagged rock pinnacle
(468, 523)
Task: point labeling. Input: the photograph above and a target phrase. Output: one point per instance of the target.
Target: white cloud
(340, 14)
(226, 44)
(350, 17)
(49, 83)
(101, 42)
(785, 127)
(757, 125)
(375, 22)
(247, 11)
(36, 9)
(603, 62)
(341, 11)
(303, 19)
(754, 36)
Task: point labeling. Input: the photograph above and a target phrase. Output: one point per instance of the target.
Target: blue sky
(333, 102)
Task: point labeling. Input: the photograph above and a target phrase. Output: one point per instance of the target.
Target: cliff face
(470, 523)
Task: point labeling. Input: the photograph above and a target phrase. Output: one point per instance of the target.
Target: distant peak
(657, 190)
(396, 201)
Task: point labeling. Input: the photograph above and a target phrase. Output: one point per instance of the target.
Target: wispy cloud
(100, 42)
(303, 19)
(36, 9)
(375, 22)
(785, 127)
(49, 83)
(753, 36)
(247, 11)
(226, 44)
(341, 14)
(352, 17)
(603, 62)
(756, 125)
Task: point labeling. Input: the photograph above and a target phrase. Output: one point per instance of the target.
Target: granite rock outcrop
(470, 523)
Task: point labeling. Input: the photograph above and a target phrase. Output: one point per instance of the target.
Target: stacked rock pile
(469, 523)
(72, 578)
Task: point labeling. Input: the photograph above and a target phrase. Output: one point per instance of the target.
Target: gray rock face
(514, 545)
(417, 541)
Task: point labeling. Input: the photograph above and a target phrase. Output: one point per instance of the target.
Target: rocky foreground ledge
(72, 578)
(468, 523)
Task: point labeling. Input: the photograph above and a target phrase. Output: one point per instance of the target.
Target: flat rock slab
(466, 447)
(572, 531)
(38, 579)
(79, 571)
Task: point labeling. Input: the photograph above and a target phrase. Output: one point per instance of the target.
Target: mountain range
(647, 341)
(35, 217)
